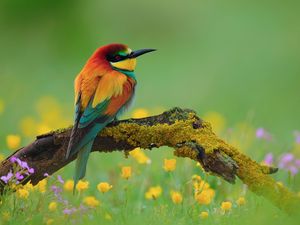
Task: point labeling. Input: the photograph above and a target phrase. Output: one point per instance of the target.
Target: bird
(104, 89)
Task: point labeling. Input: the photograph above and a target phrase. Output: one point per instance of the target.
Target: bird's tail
(80, 166)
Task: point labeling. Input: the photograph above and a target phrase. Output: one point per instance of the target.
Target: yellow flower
(1, 106)
(2, 157)
(91, 201)
(42, 186)
(139, 156)
(28, 186)
(202, 185)
(203, 214)
(140, 113)
(196, 178)
(153, 193)
(126, 172)
(104, 187)
(82, 185)
(13, 141)
(241, 201)
(52, 206)
(205, 196)
(176, 197)
(169, 165)
(69, 184)
(22, 193)
(226, 206)
(49, 221)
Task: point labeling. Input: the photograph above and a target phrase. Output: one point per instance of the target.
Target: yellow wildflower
(1, 106)
(139, 156)
(104, 187)
(82, 185)
(126, 172)
(6, 216)
(49, 221)
(140, 113)
(241, 201)
(169, 165)
(2, 157)
(196, 178)
(153, 193)
(203, 214)
(69, 184)
(52, 206)
(226, 206)
(22, 193)
(42, 186)
(28, 186)
(13, 141)
(202, 185)
(176, 197)
(91, 201)
(205, 196)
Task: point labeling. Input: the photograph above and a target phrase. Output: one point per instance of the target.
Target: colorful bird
(103, 90)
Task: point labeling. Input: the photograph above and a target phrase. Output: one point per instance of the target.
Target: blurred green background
(239, 58)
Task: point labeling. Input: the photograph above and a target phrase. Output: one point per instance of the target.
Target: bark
(180, 129)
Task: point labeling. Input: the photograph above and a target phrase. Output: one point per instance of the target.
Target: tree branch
(178, 128)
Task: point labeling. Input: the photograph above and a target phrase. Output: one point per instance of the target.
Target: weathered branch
(177, 128)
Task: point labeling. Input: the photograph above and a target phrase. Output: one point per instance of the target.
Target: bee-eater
(103, 90)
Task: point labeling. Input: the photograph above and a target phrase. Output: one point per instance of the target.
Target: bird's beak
(137, 53)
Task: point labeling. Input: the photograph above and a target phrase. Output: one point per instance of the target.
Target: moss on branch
(177, 128)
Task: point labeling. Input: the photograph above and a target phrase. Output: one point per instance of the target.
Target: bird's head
(121, 57)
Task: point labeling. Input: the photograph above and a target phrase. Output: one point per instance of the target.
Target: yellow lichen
(182, 131)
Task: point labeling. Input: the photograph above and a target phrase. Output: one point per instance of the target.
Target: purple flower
(69, 211)
(22, 164)
(269, 159)
(293, 170)
(31, 170)
(19, 176)
(46, 175)
(7, 177)
(285, 160)
(13, 159)
(56, 190)
(261, 133)
(297, 163)
(59, 178)
(289, 163)
(297, 136)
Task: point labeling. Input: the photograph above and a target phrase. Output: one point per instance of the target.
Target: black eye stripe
(115, 58)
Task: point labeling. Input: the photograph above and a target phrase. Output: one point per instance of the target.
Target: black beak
(137, 53)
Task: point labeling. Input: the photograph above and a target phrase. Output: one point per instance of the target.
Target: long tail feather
(80, 166)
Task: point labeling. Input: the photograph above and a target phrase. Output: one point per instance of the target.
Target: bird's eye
(117, 57)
